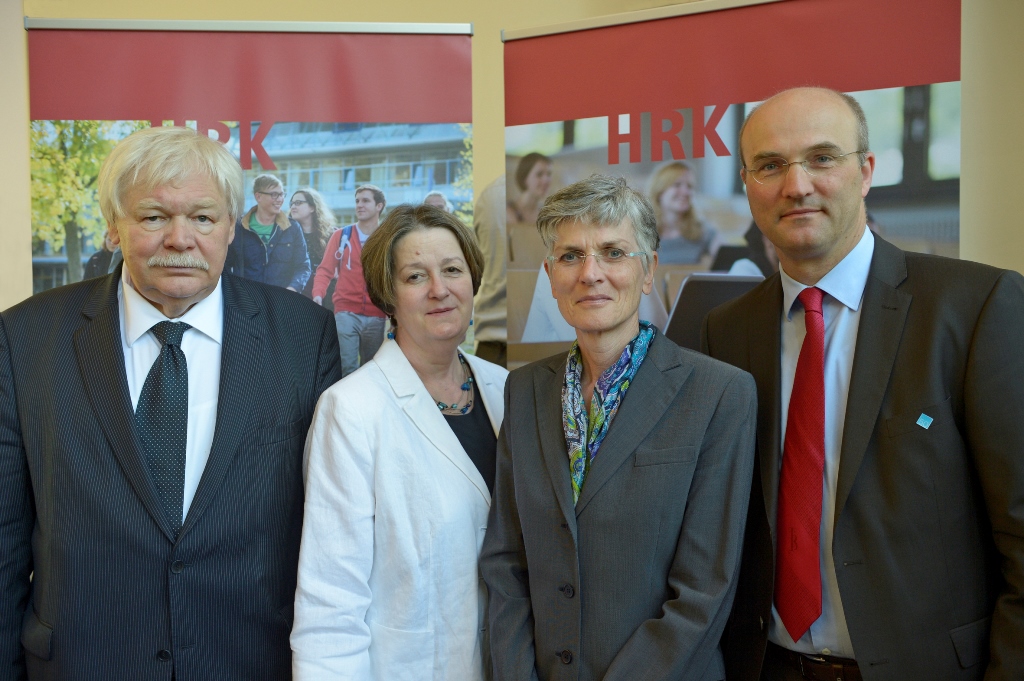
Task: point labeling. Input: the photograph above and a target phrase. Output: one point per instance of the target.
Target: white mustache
(178, 260)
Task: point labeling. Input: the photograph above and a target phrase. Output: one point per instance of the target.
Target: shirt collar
(845, 282)
(206, 316)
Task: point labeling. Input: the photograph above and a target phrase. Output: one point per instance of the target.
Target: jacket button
(565, 656)
(568, 591)
(164, 655)
(177, 567)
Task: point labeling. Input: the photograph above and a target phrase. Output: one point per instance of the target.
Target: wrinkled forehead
(581, 234)
(189, 193)
(796, 122)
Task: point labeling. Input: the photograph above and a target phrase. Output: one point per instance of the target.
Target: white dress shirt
(844, 289)
(201, 345)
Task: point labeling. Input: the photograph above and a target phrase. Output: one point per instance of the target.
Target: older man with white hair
(151, 431)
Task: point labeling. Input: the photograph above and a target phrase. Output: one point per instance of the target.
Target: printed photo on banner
(301, 184)
(691, 174)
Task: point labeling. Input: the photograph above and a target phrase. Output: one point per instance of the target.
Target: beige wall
(992, 136)
(15, 234)
(993, 95)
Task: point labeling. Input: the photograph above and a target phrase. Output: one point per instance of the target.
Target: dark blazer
(282, 261)
(636, 580)
(929, 524)
(113, 595)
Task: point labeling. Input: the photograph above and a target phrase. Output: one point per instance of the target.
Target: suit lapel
(882, 318)
(765, 338)
(656, 384)
(101, 363)
(242, 352)
(547, 398)
(423, 412)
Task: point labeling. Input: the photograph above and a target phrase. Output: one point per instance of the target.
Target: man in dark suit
(151, 483)
(885, 536)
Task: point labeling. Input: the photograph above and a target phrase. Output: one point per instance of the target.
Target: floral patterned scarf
(584, 434)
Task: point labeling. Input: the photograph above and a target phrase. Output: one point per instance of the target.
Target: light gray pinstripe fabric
(112, 587)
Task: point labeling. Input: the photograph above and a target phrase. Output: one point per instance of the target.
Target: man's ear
(867, 170)
(112, 234)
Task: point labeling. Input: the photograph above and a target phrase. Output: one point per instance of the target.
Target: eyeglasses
(772, 169)
(298, 202)
(273, 195)
(608, 258)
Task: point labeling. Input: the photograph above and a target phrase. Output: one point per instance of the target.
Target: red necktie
(798, 569)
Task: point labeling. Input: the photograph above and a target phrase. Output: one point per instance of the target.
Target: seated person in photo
(685, 238)
(760, 258)
(533, 178)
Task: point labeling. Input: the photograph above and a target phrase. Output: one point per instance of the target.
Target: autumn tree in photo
(66, 159)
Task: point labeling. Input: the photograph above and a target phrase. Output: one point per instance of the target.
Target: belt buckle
(813, 658)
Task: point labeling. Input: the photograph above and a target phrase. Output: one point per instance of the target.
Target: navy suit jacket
(112, 594)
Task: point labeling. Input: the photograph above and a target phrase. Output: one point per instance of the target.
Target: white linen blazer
(395, 514)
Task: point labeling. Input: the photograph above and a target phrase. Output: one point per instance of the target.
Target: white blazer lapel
(423, 413)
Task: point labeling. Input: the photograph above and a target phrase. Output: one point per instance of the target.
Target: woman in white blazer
(399, 465)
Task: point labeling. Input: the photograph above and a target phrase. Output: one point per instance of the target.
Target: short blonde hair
(378, 256)
(164, 155)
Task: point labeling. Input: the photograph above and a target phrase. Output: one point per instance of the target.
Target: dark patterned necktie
(162, 419)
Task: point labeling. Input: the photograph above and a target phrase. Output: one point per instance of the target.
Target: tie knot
(811, 298)
(170, 333)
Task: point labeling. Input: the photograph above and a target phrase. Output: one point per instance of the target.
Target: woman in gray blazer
(623, 472)
(399, 467)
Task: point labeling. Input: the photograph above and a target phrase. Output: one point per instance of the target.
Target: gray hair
(447, 204)
(159, 156)
(600, 200)
(863, 141)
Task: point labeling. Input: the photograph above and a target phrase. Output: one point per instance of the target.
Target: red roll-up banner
(323, 110)
(660, 102)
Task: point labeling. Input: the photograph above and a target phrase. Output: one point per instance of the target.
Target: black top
(477, 438)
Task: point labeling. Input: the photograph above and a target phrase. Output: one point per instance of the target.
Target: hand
(318, 300)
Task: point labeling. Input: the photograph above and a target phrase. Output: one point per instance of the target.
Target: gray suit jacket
(113, 594)
(929, 524)
(636, 580)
